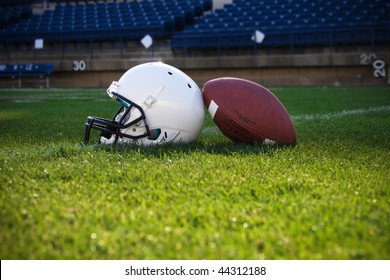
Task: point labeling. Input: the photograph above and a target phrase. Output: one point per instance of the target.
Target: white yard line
(327, 116)
(344, 113)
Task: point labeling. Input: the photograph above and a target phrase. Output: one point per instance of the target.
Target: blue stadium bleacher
(10, 15)
(289, 23)
(130, 20)
(285, 23)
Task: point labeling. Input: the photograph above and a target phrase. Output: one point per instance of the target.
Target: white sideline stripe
(327, 116)
(336, 115)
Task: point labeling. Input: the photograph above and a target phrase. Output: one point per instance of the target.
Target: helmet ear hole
(154, 134)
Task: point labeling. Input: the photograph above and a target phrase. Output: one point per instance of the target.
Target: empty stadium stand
(12, 14)
(288, 23)
(285, 23)
(104, 21)
(302, 38)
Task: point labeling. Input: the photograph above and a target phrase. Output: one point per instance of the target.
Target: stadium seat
(12, 14)
(85, 20)
(288, 23)
(285, 23)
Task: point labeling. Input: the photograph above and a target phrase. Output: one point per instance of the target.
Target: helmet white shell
(160, 104)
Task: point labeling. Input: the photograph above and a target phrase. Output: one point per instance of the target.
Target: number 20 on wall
(379, 67)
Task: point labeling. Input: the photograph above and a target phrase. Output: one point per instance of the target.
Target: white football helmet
(160, 104)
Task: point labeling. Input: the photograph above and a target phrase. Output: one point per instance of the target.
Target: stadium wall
(277, 76)
(303, 76)
(309, 69)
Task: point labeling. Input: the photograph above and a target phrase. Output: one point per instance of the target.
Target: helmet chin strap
(168, 135)
(147, 104)
(113, 89)
(152, 98)
(165, 136)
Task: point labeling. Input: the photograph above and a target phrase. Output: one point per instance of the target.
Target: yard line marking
(327, 116)
(341, 114)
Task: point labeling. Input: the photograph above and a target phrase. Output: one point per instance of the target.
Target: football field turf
(328, 197)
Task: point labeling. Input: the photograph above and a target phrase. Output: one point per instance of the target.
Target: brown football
(247, 112)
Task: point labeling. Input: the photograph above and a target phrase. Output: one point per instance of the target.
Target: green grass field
(326, 198)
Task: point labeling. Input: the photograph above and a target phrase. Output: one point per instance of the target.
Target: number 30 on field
(379, 66)
(79, 65)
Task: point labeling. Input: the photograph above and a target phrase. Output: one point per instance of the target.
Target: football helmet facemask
(159, 104)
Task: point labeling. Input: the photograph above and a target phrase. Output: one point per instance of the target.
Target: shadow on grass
(220, 148)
